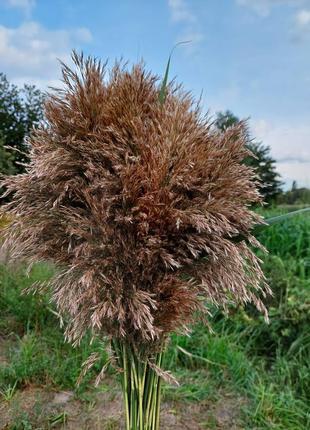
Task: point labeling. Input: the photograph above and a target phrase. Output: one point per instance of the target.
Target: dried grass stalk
(138, 205)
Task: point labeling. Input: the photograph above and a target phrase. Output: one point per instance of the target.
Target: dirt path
(36, 408)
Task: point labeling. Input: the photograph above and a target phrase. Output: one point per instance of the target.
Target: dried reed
(138, 203)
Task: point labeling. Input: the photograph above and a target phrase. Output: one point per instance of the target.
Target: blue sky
(249, 56)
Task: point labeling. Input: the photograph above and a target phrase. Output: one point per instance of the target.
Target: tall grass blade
(283, 217)
(163, 88)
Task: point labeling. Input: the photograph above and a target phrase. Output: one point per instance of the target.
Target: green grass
(273, 391)
(266, 365)
(38, 353)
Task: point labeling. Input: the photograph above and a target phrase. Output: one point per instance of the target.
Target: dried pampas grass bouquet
(144, 209)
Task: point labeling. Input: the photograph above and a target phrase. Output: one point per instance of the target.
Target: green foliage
(23, 312)
(8, 392)
(6, 159)
(20, 110)
(269, 364)
(287, 269)
(224, 120)
(272, 400)
(38, 353)
(261, 160)
(38, 418)
(264, 164)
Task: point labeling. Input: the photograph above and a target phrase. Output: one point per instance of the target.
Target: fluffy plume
(137, 204)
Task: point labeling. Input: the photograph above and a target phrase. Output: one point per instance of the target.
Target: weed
(8, 391)
(58, 419)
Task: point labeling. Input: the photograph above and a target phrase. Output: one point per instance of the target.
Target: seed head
(137, 204)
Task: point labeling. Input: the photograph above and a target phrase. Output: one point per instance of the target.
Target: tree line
(20, 110)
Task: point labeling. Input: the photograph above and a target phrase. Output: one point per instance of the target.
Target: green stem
(125, 378)
(141, 388)
(158, 396)
(150, 395)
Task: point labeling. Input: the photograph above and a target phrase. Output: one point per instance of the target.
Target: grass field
(247, 375)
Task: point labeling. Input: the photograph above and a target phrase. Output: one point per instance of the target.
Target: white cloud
(290, 146)
(303, 18)
(30, 52)
(295, 171)
(288, 142)
(25, 5)
(264, 7)
(301, 29)
(180, 11)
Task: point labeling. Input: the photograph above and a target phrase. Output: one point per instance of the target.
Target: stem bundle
(141, 387)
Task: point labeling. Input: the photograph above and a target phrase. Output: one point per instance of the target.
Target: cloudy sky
(249, 56)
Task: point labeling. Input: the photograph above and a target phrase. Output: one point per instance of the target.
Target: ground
(45, 409)
(36, 407)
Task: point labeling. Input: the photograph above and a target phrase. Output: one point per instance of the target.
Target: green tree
(6, 160)
(295, 196)
(20, 110)
(294, 186)
(270, 184)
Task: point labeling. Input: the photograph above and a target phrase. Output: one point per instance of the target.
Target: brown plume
(137, 204)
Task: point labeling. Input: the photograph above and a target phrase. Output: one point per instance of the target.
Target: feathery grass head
(138, 204)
